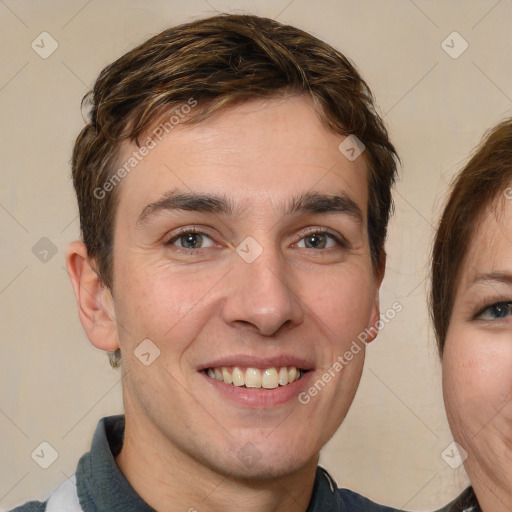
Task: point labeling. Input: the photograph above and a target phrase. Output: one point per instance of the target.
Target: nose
(261, 294)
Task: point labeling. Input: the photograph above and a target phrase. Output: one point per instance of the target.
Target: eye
(320, 240)
(496, 311)
(191, 239)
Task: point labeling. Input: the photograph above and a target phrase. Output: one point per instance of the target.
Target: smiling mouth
(267, 378)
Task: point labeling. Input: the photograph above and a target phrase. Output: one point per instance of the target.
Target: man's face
(268, 269)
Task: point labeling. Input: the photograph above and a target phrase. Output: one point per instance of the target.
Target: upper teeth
(268, 378)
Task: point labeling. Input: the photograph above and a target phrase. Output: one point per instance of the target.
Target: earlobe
(94, 299)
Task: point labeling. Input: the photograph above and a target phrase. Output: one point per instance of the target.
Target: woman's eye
(191, 240)
(496, 311)
(319, 240)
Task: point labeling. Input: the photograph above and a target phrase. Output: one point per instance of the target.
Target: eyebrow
(494, 277)
(324, 203)
(212, 203)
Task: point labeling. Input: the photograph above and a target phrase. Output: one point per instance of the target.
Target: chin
(259, 471)
(260, 460)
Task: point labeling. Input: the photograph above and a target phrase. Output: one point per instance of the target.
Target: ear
(94, 299)
(373, 330)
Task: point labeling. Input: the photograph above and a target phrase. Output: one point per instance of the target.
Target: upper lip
(248, 361)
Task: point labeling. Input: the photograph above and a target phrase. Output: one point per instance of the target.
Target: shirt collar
(102, 486)
(100, 483)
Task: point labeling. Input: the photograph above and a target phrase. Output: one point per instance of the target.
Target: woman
(471, 307)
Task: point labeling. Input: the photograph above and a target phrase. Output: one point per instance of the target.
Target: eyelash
(341, 241)
(505, 303)
(182, 232)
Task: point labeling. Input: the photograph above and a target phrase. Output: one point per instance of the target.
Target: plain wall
(55, 385)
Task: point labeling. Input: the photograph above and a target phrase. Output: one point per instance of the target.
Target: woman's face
(477, 360)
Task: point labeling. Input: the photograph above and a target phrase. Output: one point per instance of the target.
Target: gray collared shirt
(102, 487)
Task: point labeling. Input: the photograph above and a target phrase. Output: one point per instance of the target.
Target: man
(234, 186)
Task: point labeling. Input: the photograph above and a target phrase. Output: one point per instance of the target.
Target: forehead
(490, 247)
(264, 150)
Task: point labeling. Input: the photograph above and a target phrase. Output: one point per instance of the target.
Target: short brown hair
(219, 62)
(474, 190)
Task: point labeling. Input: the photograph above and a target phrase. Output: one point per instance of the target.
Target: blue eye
(496, 311)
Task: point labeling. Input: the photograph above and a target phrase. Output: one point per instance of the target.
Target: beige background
(55, 386)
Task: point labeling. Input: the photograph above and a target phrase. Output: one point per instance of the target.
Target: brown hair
(473, 191)
(212, 64)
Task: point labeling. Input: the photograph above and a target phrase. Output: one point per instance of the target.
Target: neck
(169, 480)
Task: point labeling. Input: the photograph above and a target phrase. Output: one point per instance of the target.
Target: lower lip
(259, 397)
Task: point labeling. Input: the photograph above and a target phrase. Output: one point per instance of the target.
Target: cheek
(342, 310)
(346, 299)
(157, 303)
(477, 381)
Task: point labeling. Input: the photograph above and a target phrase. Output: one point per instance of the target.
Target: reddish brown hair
(474, 190)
